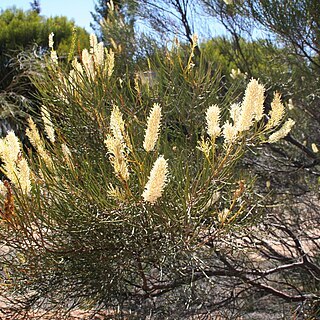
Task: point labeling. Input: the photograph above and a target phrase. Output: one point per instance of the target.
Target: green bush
(134, 186)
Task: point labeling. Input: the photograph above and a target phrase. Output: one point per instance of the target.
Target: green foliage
(258, 58)
(117, 30)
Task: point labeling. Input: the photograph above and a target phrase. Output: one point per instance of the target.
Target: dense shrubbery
(135, 192)
(153, 187)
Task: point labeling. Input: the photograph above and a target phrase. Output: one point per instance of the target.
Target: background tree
(159, 20)
(175, 17)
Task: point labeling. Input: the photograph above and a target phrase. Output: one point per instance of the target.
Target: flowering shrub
(112, 205)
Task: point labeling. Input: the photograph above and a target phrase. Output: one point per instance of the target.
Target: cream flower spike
(252, 105)
(24, 175)
(53, 53)
(282, 132)
(33, 134)
(9, 153)
(153, 126)
(314, 148)
(277, 111)
(157, 181)
(229, 132)
(117, 157)
(213, 118)
(14, 166)
(48, 126)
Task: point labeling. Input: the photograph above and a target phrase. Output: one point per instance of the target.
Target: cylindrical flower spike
(229, 132)
(252, 105)
(33, 134)
(9, 153)
(277, 111)
(282, 132)
(213, 118)
(117, 159)
(152, 131)
(117, 123)
(157, 181)
(14, 166)
(48, 126)
(24, 176)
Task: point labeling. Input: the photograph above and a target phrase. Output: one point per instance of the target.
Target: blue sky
(78, 10)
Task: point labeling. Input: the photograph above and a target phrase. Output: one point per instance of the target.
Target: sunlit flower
(24, 175)
(93, 42)
(277, 111)
(14, 166)
(88, 63)
(117, 158)
(229, 132)
(33, 134)
(54, 56)
(314, 148)
(153, 126)
(213, 118)
(48, 126)
(99, 54)
(157, 181)
(9, 152)
(252, 105)
(51, 42)
(282, 132)
(10, 146)
(109, 62)
(117, 123)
